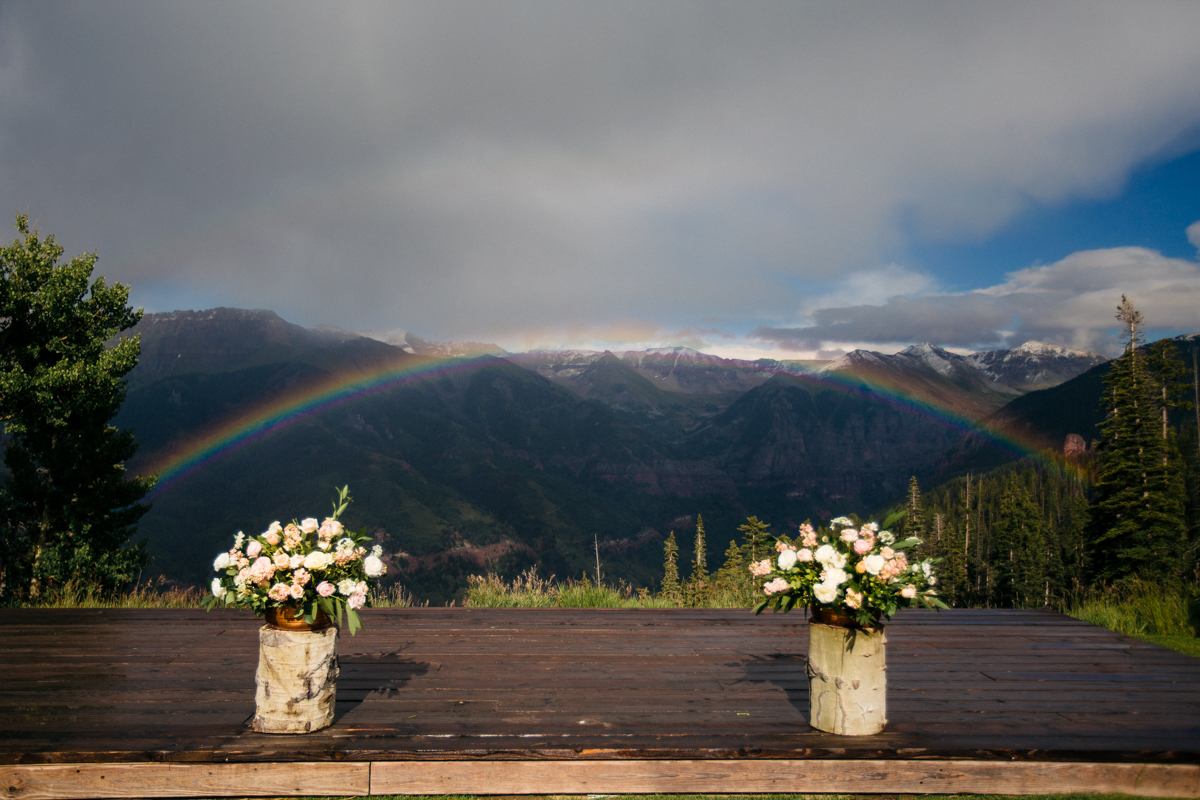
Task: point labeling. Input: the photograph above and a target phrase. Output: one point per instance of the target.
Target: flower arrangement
(306, 566)
(850, 568)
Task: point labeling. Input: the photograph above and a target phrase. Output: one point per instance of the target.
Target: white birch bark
(847, 680)
(296, 680)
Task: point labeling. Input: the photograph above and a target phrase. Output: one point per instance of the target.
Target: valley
(461, 456)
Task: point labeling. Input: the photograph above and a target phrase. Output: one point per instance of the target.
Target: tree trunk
(296, 678)
(847, 680)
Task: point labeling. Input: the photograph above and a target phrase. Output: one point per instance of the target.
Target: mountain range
(515, 459)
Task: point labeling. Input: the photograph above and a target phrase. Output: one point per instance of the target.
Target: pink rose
(862, 547)
(253, 549)
(261, 569)
(887, 552)
(775, 586)
(849, 535)
(805, 554)
(325, 588)
(297, 591)
(282, 561)
(308, 525)
(330, 529)
(908, 592)
(272, 538)
(356, 600)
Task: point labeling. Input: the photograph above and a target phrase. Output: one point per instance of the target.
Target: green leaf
(906, 544)
(760, 606)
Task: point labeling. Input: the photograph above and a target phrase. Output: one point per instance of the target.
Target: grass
(150, 595)
(528, 590)
(1162, 614)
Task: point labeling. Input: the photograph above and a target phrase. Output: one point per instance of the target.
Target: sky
(789, 180)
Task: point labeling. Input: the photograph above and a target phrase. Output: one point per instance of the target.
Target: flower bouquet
(851, 569)
(305, 567)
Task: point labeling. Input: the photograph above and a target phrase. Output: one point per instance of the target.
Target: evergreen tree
(700, 563)
(1020, 551)
(914, 519)
(670, 584)
(1137, 523)
(754, 540)
(68, 509)
(697, 589)
(952, 571)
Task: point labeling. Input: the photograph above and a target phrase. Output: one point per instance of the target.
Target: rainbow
(247, 427)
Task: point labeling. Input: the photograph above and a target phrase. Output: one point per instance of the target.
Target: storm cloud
(479, 170)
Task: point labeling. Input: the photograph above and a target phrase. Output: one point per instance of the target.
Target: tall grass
(1162, 614)
(1138, 609)
(155, 594)
(528, 590)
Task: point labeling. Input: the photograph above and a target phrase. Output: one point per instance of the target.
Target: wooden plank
(805, 777)
(79, 781)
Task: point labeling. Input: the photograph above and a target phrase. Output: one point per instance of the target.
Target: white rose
(873, 563)
(849, 535)
(908, 592)
(825, 593)
(221, 562)
(825, 553)
(787, 559)
(317, 560)
(834, 576)
(295, 561)
(308, 525)
(838, 560)
(372, 566)
(217, 589)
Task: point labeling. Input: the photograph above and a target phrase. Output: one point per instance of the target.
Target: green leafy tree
(1137, 522)
(68, 508)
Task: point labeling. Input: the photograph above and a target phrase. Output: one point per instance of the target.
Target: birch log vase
(847, 679)
(296, 680)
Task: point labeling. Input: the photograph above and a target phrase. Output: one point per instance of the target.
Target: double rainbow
(255, 424)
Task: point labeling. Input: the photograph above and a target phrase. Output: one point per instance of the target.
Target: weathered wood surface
(548, 684)
(81, 781)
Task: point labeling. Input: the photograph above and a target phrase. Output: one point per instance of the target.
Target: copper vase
(286, 618)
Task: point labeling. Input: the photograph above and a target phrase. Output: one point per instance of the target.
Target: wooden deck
(540, 701)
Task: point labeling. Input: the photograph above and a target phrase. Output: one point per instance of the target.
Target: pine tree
(1137, 526)
(68, 509)
(670, 584)
(697, 589)
(952, 572)
(754, 540)
(700, 563)
(914, 518)
(1020, 551)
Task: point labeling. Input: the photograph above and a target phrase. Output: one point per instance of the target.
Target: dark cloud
(475, 169)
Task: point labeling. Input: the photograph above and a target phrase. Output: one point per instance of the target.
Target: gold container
(286, 618)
